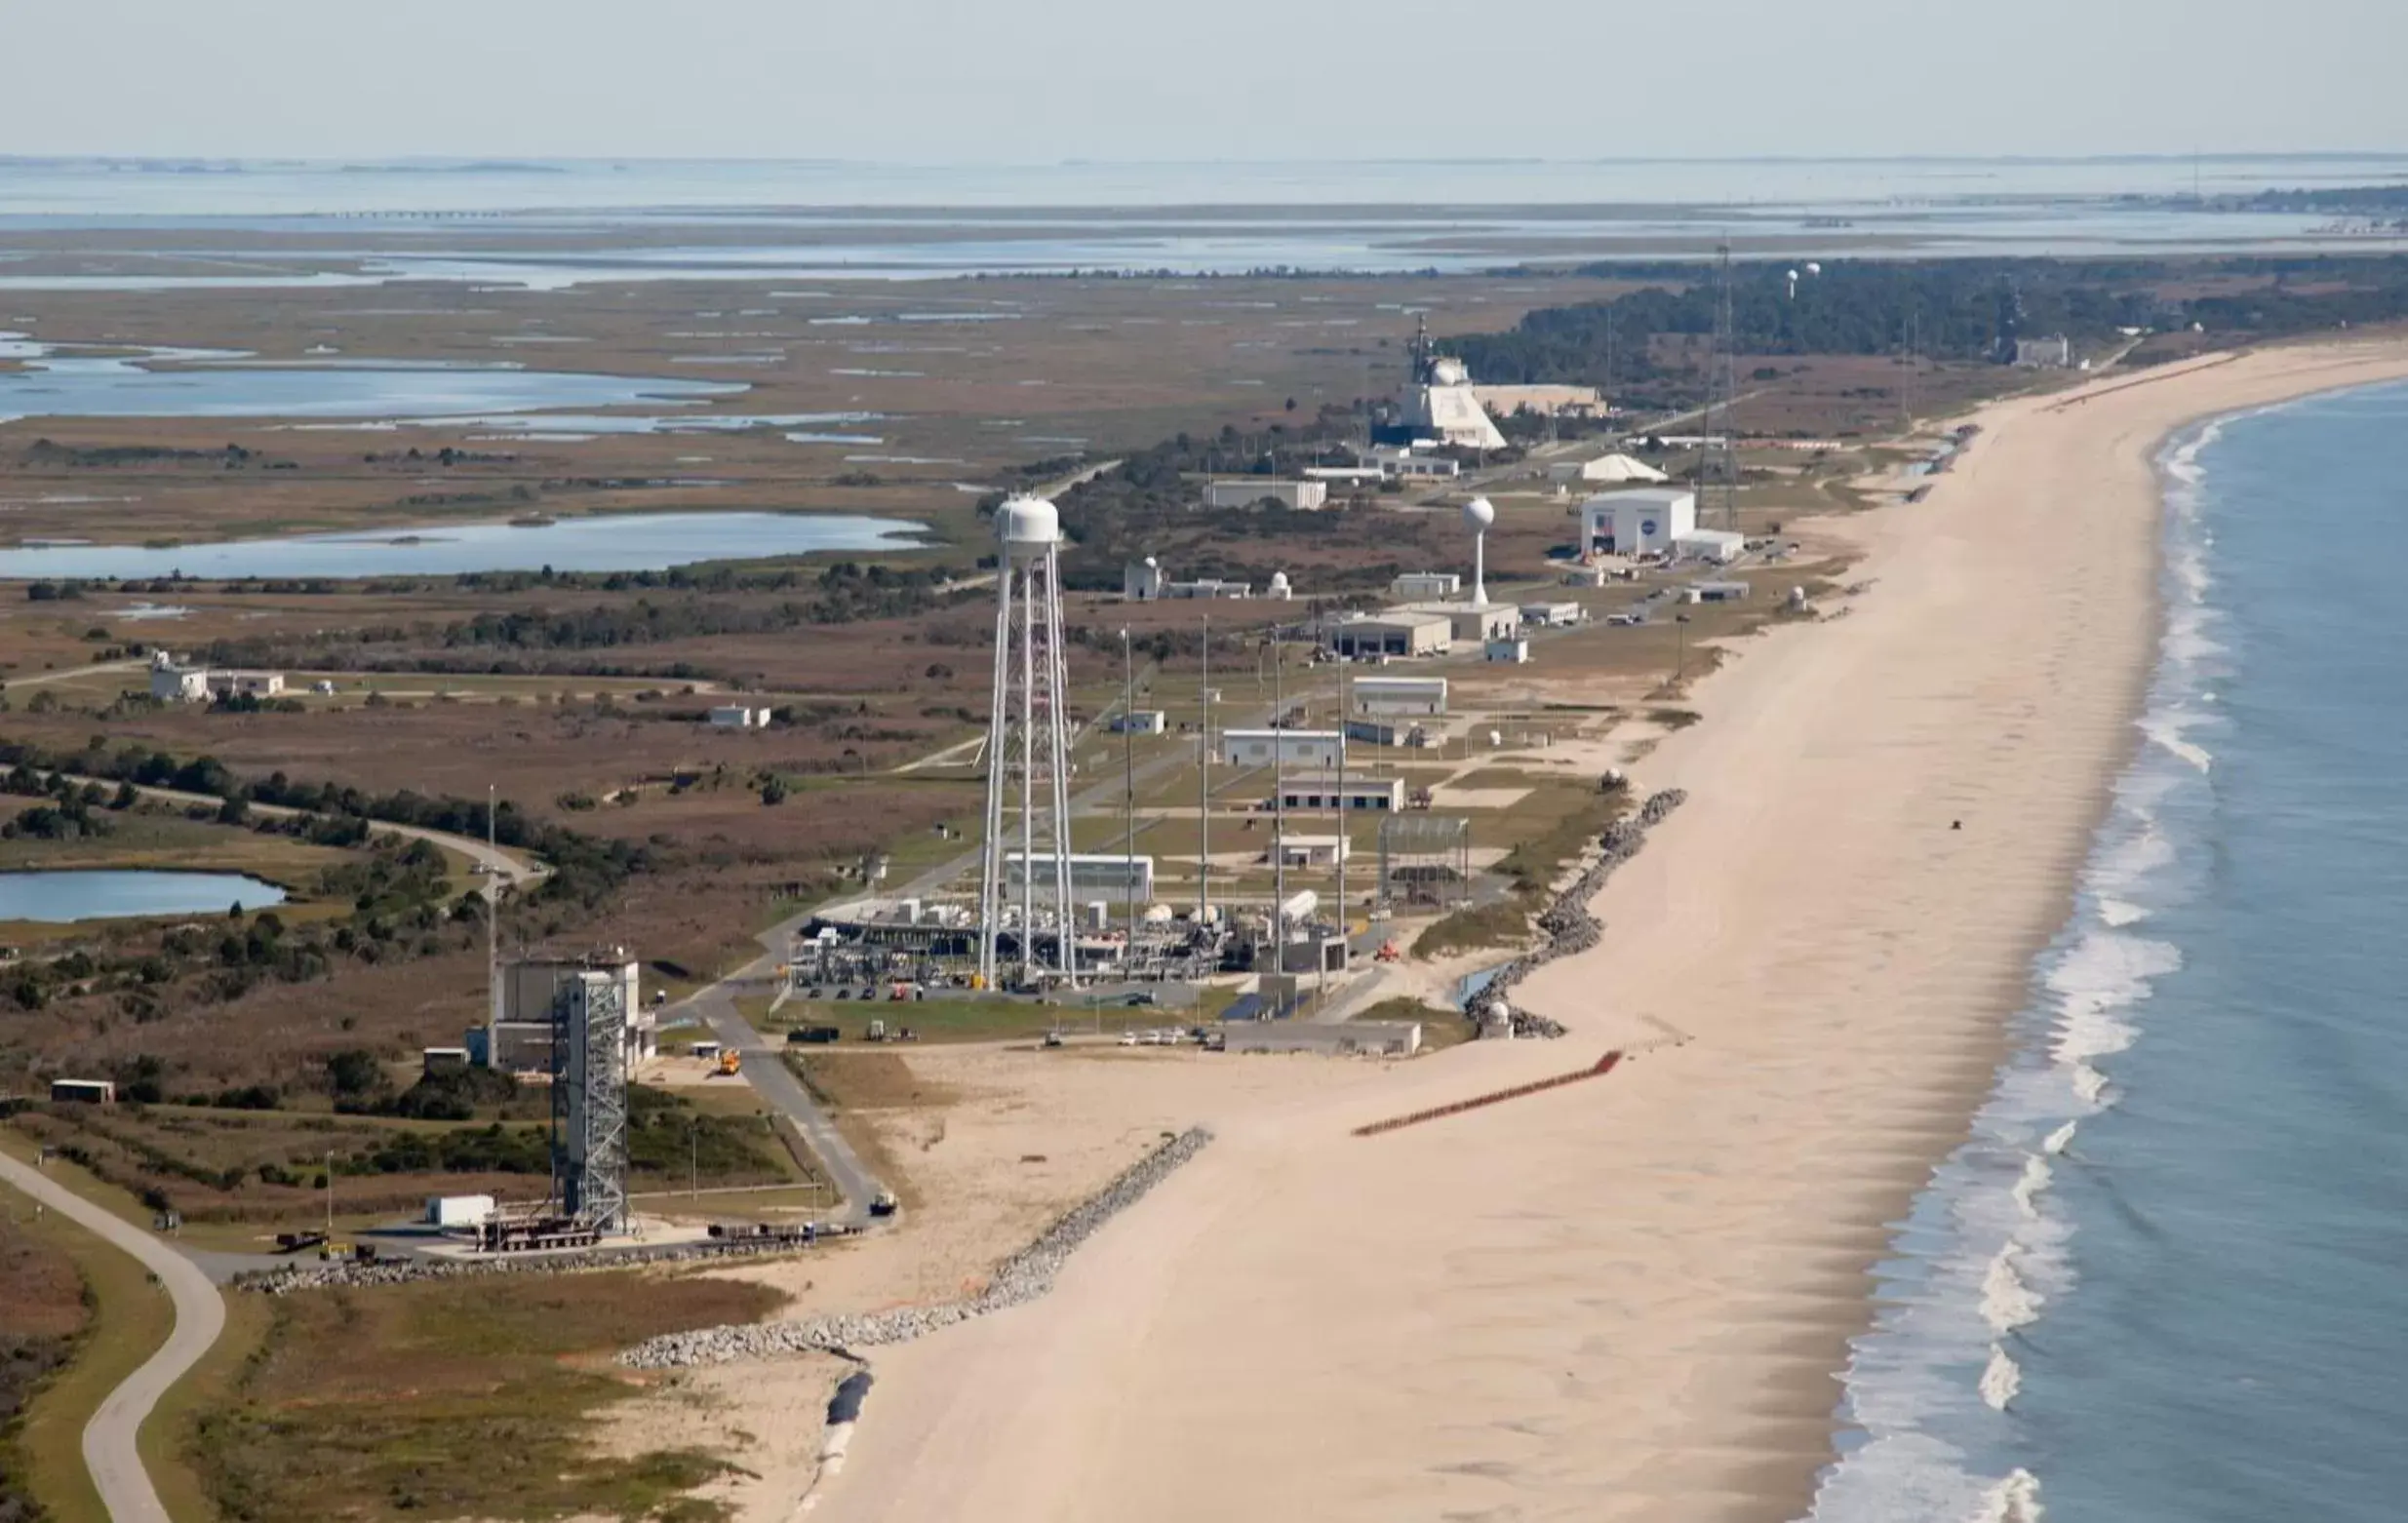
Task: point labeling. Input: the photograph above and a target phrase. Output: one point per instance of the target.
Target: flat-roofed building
(1141, 581)
(534, 992)
(1324, 791)
(1397, 694)
(1476, 623)
(1413, 585)
(84, 1091)
(1549, 615)
(1307, 748)
(1313, 851)
(738, 716)
(1715, 546)
(1139, 722)
(1244, 491)
(1397, 631)
(1105, 874)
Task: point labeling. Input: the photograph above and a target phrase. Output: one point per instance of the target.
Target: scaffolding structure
(1425, 861)
(589, 1099)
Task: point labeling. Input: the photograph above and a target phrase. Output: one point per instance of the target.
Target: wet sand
(1630, 1298)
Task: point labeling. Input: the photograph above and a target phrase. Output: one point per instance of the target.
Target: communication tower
(1028, 748)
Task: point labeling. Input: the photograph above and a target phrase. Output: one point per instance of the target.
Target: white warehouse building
(1717, 546)
(1400, 695)
(1312, 748)
(1643, 521)
(1244, 491)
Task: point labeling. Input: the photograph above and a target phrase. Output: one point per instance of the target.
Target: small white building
(245, 685)
(1141, 581)
(1417, 585)
(1244, 491)
(1399, 695)
(1513, 653)
(173, 683)
(459, 1210)
(1549, 615)
(1403, 462)
(1642, 521)
(1279, 590)
(1358, 795)
(1139, 722)
(1105, 874)
(1207, 588)
(738, 716)
(1717, 592)
(1399, 631)
(1308, 748)
(1715, 546)
(1314, 850)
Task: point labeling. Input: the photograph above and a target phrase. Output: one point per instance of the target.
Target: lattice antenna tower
(589, 1097)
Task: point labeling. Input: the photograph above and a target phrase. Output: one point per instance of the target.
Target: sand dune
(1630, 1298)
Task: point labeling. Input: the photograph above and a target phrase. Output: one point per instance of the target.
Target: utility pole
(1278, 803)
(329, 1198)
(1129, 784)
(1204, 790)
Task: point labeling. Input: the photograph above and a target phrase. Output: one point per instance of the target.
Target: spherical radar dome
(1479, 513)
(1032, 522)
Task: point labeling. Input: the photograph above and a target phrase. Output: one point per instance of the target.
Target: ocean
(2166, 1281)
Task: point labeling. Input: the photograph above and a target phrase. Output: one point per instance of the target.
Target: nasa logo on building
(1646, 526)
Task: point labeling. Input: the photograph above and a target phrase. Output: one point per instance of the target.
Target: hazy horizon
(1246, 81)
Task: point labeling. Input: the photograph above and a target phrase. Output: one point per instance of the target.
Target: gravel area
(404, 1272)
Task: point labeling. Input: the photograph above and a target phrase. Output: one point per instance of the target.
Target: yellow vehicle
(730, 1061)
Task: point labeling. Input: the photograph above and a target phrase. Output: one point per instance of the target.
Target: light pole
(1129, 784)
(329, 1198)
(1680, 665)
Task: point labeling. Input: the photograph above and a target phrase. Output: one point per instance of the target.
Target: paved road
(509, 871)
(764, 1069)
(109, 1451)
(37, 679)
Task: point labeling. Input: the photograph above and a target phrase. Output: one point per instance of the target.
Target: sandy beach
(1630, 1298)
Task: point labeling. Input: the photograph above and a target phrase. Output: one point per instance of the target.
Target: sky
(951, 81)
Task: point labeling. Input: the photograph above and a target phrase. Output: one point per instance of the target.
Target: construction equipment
(731, 1061)
(883, 1203)
(1388, 952)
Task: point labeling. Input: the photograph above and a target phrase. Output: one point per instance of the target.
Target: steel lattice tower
(1028, 747)
(589, 1097)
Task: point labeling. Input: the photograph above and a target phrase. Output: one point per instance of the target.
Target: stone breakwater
(1024, 1276)
(404, 1272)
(1567, 924)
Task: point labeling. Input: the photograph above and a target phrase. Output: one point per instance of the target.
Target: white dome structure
(1279, 587)
(1028, 524)
(1450, 372)
(1478, 514)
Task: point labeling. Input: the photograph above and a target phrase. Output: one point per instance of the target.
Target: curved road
(109, 1439)
(509, 871)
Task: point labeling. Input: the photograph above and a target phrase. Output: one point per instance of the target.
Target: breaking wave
(1929, 1433)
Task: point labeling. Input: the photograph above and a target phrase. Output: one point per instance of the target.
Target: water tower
(1477, 515)
(1028, 747)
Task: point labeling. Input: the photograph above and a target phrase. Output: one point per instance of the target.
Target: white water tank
(1027, 525)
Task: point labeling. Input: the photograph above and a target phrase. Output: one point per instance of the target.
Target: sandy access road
(1630, 1298)
(109, 1438)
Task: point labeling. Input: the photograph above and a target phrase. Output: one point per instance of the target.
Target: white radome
(1028, 520)
(1278, 579)
(1479, 513)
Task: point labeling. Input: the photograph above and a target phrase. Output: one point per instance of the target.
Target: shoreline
(1635, 1299)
